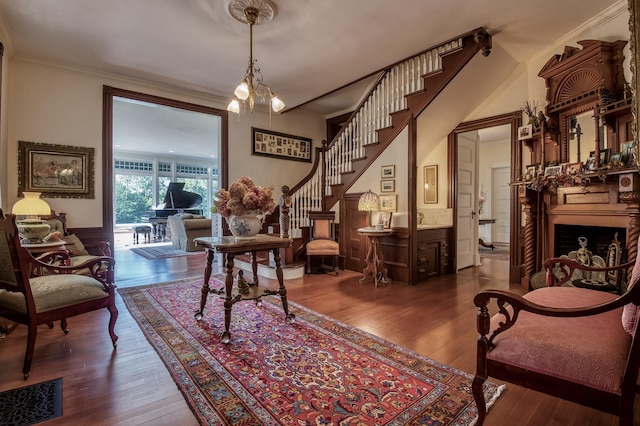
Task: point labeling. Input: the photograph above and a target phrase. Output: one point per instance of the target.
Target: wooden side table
(375, 257)
(231, 247)
(480, 241)
(39, 248)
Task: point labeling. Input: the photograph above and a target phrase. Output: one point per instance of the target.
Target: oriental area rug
(315, 371)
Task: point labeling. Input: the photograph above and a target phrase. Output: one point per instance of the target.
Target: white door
(467, 220)
(500, 204)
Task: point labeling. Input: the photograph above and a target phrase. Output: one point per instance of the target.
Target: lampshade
(369, 201)
(31, 228)
(31, 206)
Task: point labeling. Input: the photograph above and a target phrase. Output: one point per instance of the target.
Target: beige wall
(57, 105)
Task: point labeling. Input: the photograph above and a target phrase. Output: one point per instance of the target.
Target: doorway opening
(150, 141)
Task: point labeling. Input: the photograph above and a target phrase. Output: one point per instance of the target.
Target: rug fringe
(493, 399)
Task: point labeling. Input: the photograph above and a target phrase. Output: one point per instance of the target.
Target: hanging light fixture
(253, 12)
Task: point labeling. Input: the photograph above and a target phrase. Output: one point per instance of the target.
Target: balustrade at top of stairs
(403, 91)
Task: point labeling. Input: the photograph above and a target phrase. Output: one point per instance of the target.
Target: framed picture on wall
(388, 185)
(388, 172)
(57, 171)
(388, 203)
(431, 184)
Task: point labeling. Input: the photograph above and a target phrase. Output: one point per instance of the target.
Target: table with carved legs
(229, 247)
(375, 268)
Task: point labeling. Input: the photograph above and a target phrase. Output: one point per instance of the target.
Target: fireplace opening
(598, 239)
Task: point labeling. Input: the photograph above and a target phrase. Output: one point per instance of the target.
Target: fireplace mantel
(603, 204)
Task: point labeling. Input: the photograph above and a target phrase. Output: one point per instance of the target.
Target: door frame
(515, 120)
(108, 93)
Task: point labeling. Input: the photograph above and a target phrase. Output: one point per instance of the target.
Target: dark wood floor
(131, 386)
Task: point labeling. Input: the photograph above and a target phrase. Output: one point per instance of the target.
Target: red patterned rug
(316, 371)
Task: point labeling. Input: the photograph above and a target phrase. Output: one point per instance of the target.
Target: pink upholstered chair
(574, 343)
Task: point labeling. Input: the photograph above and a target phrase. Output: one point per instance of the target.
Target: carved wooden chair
(322, 242)
(577, 344)
(59, 295)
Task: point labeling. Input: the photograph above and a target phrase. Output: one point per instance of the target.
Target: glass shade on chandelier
(31, 228)
(252, 86)
(369, 202)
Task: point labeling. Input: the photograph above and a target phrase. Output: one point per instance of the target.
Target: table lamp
(31, 228)
(369, 202)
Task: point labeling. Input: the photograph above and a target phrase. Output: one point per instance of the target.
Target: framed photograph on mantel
(280, 145)
(57, 171)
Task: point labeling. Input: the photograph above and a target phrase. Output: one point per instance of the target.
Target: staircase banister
(314, 167)
(387, 68)
(359, 106)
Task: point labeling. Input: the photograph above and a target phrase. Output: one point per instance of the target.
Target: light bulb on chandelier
(253, 86)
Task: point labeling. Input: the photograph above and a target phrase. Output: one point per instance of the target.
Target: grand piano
(176, 200)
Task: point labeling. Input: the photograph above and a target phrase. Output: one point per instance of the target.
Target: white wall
(55, 105)
(396, 154)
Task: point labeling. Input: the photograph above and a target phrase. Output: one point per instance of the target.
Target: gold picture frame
(388, 185)
(388, 203)
(431, 184)
(57, 171)
(387, 172)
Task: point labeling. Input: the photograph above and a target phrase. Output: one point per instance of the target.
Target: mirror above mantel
(588, 108)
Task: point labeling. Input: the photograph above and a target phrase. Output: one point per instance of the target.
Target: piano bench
(142, 229)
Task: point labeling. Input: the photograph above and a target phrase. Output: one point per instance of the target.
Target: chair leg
(336, 266)
(112, 323)
(31, 344)
(308, 271)
(478, 396)
(63, 325)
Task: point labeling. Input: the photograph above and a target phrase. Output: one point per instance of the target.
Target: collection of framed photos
(388, 202)
(622, 158)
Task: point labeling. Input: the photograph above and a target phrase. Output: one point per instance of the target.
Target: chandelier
(252, 86)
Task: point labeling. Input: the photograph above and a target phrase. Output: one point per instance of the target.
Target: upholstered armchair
(185, 227)
(55, 296)
(574, 343)
(79, 252)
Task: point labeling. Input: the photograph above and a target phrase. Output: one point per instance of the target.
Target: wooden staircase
(402, 91)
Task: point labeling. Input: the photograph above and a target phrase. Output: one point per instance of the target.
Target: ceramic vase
(245, 227)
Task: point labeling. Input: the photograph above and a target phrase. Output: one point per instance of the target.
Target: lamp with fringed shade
(369, 202)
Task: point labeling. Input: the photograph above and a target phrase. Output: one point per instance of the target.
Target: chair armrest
(560, 269)
(98, 248)
(510, 305)
(100, 267)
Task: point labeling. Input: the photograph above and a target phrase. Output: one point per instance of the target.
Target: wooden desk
(231, 247)
(480, 241)
(375, 257)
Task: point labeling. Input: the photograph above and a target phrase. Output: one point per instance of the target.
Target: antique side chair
(55, 296)
(322, 242)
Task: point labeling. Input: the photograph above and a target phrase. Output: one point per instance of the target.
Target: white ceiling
(311, 47)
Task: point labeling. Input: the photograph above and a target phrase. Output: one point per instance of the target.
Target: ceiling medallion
(266, 10)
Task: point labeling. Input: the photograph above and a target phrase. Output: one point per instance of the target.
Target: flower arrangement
(244, 196)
